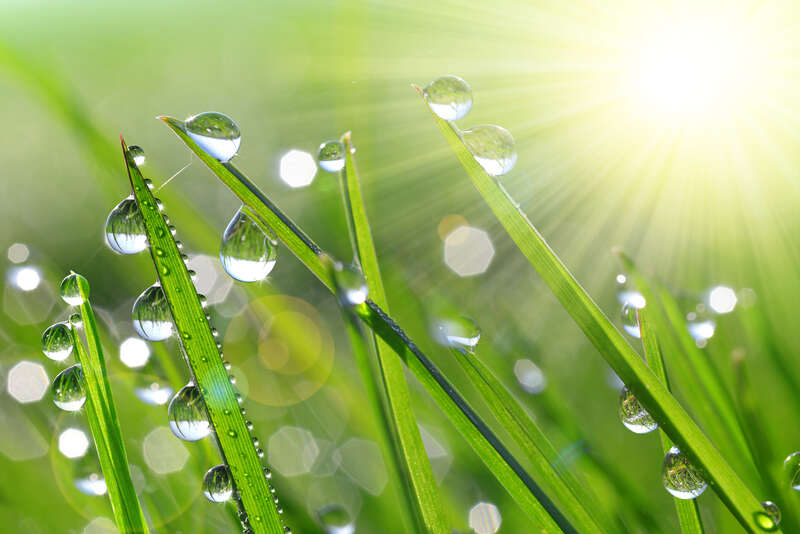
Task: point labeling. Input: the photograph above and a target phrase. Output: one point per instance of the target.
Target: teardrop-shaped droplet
(74, 288)
(335, 519)
(57, 342)
(69, 391)
(151, 316)
(351, 285)
(449, 97)
(680, 477)
(633, 414)
(218, 484)
(137, 154)
(246, 252)
(791, 470)
(215, 133)
(187, 414)
(125, 232)
(630, 320)
(331, 156)
(459, 332)
(770, 518)
(492, 147)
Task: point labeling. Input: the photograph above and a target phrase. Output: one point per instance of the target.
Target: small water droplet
(57, 342)
(449, 97)
(232, 433)
(267, 473)
(218, 484)
(187, 414)
(331, 156)
(770, 518)
(630, 320)
(335, 519)
(492, 147)
(69, 391)
(458, 332)
(791, 470)
(137, 154)
(246, 252)
(351, 285)
(125, 230)
(633, 414)
(76, 320)
(260, 452)
(71, 288)
(680, 477)
(215, 133)
(151, 316)
(249, 425)
(159, 252)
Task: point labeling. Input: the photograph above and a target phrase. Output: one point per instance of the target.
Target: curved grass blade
(205, 363)
(101, 413)
(492, 452)
(669, 414)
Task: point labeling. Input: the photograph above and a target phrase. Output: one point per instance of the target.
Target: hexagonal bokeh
(298, 168)
(73, 443)
(27, 382)
(468, 251)
(134, 352)
(292, 451)
(484, 518)
(163, 452)
(362, 461)
(210, 280)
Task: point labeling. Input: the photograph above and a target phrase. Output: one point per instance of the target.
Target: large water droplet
(458, 332)
(218, 484)
(125, 232)
(680, 477)
(246, 252)
(215, 133)
(791, 470)
(335, 519)
(492, 147)
(151, 316)
(71, 288)
(771, 517)
(331, 156)
(187, 414)
(137, 154)
(57, 342)
(449, 97)
(69, 391)
(630, 320)
(351, 285)
(633, 414)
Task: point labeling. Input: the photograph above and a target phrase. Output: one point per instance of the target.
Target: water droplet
(125, 230)
(246, 252)
(680, 477)
(492, 147)
(57, 342)
(260, 452)
(249, 425)
(154, 394)
(449, 97)
(458, 332)
(232, 433)
(351, 285)
(76, 320)
(633, 414)
(71, 288)
(93, 484)
(137, 154)
(69, 391)
(151, 316)
(630, 320)
(218, 484)
(267, 473)
(187, 414)
(335, 519)
(791, 470)
(331, 156)
(215, 133)
(771, 517)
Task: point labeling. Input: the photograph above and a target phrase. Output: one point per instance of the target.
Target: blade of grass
(669, 414)
(688, 514)
(202, 355)
(101, 414)
(493, 453)
(423, 491)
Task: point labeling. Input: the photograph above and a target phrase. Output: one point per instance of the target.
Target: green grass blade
(205, 363)
(607, 340)
(492, 452)
(688, 514)
(423, 488)
(103, 422)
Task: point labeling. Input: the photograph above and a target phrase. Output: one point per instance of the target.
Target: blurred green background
(695, 202)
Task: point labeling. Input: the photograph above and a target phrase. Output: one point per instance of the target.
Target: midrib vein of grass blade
(202, 355)
(425, 492)
(104, 425)
(492, 452)
(688, 514)
(669, 414)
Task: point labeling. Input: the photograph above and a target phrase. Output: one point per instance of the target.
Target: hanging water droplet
(246, 252)
(791, 470)
(151, 316)
(76, 320)
(492, 147)
(680, 477)
(125, 231)
(458, 332)
(215, 133)
(71, 288)
(137, 154)
(69, 391)
(331, 156)
(187, 414)
(350, 284)
(630, 320)
(57, 342)
(335, 519)
(633, 414)
(218, 484)
(771, 517)
(449, 97)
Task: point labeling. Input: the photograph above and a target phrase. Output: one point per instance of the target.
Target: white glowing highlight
(73, 443)
(298, 168)
(722, 299)
(26, 278)
(134, 352)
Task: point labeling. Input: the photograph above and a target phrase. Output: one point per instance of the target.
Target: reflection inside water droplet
(458, 332)
(68, 389)
(57, 342)
(492, 147)
(187, 414)
(331, 156)
(449, 97)
(680, 477)
(633, 415)
(215, 133)
(246, 252)
(71, 288)
(125, 231)
(151, 315)
(218, 484)
(335, 519)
